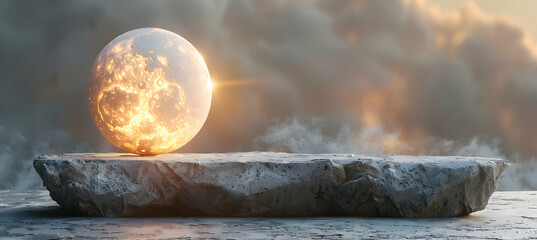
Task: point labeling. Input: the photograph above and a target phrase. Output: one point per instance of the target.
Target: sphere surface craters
(149, 91)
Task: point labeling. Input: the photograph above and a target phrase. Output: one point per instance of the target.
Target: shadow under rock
(38, 212)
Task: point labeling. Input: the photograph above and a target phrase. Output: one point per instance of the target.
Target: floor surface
(34, 215)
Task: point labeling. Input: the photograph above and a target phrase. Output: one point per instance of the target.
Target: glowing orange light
(149, 91)
(210, 85)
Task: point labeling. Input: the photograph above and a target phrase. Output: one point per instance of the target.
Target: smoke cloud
(384, 76)
(317, 135)
(17, 151)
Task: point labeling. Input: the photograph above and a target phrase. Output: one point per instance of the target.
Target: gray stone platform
(269, 184)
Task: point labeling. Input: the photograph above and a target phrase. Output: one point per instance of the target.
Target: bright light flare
(210, 85)
(244, 82)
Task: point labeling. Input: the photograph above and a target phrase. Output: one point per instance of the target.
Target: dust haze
(388, 76)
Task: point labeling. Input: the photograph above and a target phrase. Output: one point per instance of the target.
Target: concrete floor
(34, 215)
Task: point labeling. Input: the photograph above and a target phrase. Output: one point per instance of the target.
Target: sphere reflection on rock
(149, 91)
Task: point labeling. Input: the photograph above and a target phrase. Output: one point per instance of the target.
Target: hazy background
(404, 77)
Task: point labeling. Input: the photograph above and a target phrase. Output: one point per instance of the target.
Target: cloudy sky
(405, 77)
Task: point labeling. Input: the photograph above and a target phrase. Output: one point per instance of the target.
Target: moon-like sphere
(149, 91)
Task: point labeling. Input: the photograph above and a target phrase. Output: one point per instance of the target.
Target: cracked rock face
(269, 184)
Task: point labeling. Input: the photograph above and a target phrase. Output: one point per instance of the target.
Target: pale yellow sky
(522, 11)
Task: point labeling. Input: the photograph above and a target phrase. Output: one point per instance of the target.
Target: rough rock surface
(269, 184)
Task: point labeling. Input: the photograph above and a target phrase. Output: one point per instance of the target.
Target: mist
(17, 151)
(388, 76)
(322, 135)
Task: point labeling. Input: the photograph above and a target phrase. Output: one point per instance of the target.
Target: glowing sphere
(149, 91)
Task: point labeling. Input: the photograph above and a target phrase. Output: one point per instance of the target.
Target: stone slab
(269, 184)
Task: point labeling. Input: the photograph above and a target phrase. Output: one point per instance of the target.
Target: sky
(520, 11)
(387, 76)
